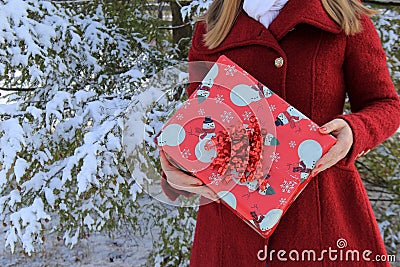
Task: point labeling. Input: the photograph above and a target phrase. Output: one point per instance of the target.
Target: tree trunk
(182, 29)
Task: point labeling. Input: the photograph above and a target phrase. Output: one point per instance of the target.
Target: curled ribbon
(239, 152)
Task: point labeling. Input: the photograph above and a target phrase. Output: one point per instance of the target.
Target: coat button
(279, 62)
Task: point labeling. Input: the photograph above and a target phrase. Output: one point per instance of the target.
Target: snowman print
(267, 191)
(270, 140)
(267, 221)
(265, 188)
(203, 91)
(251, 185)
(254, 185)
(289, 116)
(242, 95)
(172, 135)
(266, 91)
(202, 153)
(309, 151)
(229, 198)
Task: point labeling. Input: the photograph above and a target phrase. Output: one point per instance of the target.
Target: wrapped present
(247, 144)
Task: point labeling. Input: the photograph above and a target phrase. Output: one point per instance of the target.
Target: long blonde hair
(222, 14)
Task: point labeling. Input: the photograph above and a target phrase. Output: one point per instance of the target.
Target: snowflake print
(194, 171)
(245, 73)
(246, 115)
(313, 127)
(179, 117)
(275, 156)
(219, 99)
(226, 116)
(272, 108)
(260, 106)
(186, 104)
(282, 201)
(230, 70)
(201, 112)
(287, 186)
(186, 153)
(292, 144)
(215, 178)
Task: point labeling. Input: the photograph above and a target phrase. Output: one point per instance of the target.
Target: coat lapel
(244, 32)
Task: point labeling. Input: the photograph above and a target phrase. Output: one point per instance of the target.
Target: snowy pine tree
(76, 69)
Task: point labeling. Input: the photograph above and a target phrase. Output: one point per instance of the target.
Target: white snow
(123, 249)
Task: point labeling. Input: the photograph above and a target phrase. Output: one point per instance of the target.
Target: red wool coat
(320, 65)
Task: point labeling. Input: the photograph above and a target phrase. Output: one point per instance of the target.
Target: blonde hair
(222, 14)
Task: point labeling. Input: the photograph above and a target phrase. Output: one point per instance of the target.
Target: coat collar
(309, 12)
(249, 31)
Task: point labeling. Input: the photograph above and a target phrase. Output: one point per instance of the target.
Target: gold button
(279, 62)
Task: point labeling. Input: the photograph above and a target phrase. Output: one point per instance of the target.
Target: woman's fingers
(344, 135)
(165, 164)
(203, 190)
(208, 193)
(336, 153)
(179, 178)
(182, 181)
(333, 126)
(174, 174)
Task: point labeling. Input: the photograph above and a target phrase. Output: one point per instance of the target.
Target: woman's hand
(342, 131)
(181, 181)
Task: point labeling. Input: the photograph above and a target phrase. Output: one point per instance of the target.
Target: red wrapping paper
(252, 148)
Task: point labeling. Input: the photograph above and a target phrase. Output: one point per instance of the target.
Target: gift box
(247, 144)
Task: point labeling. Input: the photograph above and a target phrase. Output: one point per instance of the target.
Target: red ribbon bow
(239, 152)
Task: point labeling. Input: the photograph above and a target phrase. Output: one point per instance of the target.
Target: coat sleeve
(197, 70)
(374, 101)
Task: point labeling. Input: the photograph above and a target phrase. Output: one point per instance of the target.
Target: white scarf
(264, 11)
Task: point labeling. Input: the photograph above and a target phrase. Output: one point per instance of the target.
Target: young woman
(311, 53)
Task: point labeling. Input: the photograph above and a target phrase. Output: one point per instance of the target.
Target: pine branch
(378, 178)
(378, 191)
(174, 27)
(379, 199)
(384, 2)
(27, 89)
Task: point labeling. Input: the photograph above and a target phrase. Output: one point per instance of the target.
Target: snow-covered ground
(123, 249)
